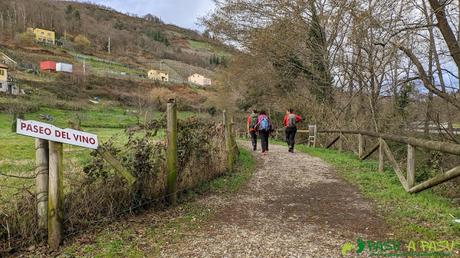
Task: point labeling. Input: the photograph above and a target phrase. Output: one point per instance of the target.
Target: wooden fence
(49, 170)
(408, 180)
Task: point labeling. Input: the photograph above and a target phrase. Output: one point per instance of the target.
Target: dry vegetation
(99, 195)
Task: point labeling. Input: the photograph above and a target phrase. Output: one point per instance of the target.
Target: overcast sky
(183, 13)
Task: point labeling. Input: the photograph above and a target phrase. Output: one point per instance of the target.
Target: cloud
(183, 13)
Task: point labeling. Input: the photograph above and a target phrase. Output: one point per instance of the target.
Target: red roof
(3, 66)
(48, 66)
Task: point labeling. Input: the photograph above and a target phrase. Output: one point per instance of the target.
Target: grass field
(425, 215)
(199, 45)
(101, 66)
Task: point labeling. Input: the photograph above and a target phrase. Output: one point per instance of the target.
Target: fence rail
(417, 142)
(407, 181)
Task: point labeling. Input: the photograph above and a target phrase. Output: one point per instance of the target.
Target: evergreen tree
(318, 69)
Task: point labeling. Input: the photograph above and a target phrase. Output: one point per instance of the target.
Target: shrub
(82, 43)
(101, 195)
(25, 39)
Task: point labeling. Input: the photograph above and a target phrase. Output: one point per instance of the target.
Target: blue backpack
(264, 124)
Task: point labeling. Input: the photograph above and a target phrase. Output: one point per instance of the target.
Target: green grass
(148, 239)
(17, 153)
(101, 66)
(199, 45)
(424, 215)
(232, 182)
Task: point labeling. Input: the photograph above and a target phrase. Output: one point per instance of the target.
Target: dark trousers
(253, 139)
(290, 136)
(264, 139)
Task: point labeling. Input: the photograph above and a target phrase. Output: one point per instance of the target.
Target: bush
(102, 195)
(82, 43)
(25, 39)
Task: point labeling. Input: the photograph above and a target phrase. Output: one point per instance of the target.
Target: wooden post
(55, 195)
(410, 165)
(41, 182)
(172, 160)
(360, 145)
(130, 179)
(381, 155)
(395, 165)
(234, 144)
(228, 142)
(369, 153)
(340, 142)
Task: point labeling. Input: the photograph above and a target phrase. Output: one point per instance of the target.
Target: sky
(183, 13)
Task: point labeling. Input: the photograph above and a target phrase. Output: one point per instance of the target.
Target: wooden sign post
(228, 141)
(41, 182)
(50, 171)
(171, 152)
(55, 195)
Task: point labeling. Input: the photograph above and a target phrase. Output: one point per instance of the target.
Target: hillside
(117, 73)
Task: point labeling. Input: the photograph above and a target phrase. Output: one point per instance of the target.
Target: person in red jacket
(251, 126)
(290, 124)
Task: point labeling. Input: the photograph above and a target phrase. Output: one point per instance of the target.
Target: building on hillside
(6, 82)
(199, 80)
(63, 67)
(7, 60)
(158, 75)
(48, 66)
(3, 78)
(44, 36)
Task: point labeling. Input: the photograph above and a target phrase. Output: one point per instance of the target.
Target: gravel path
(294, 206)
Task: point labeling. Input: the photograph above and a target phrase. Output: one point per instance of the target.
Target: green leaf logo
(347, 247)
(361, 246)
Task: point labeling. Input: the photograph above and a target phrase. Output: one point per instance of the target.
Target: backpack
(253, 121)
(291, 120)
(264, 124)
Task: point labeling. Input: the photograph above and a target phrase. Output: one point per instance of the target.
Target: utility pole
(109, 46)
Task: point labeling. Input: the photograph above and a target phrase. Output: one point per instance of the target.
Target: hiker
(264, 127)
(252, 122)
(290, 121)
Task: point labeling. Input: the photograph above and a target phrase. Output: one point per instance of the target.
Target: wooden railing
(408, 181)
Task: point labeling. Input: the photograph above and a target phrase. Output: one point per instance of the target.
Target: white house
(63, 67)
(3, 78)
(199, 80)
(158, 75)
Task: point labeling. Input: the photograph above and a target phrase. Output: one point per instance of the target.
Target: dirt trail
(294, 206)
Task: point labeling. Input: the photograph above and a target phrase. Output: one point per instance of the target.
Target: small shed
(49, 66)
(63, 67)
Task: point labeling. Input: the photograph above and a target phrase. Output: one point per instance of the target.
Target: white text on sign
(52, 133)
